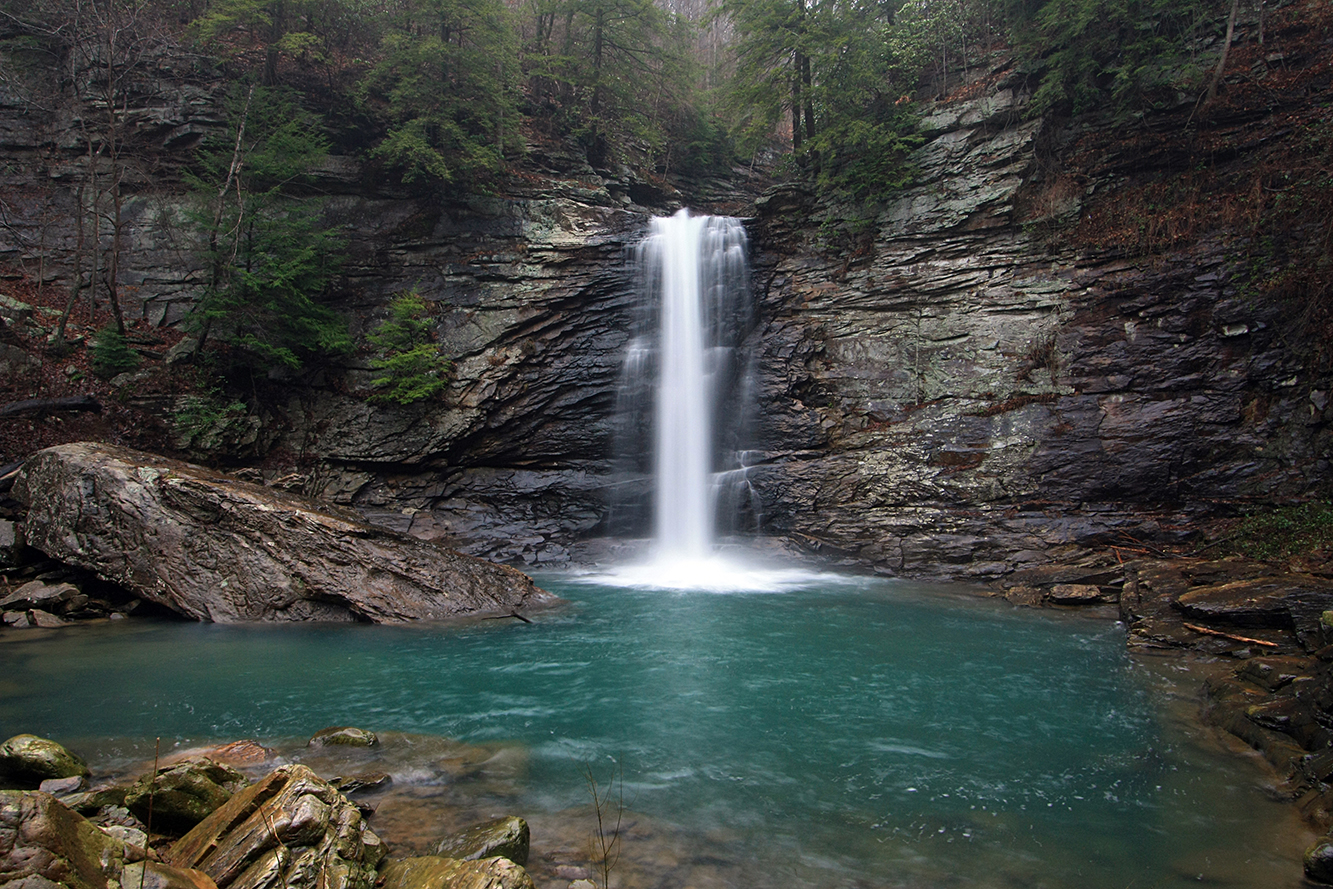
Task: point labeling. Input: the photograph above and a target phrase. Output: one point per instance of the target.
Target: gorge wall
(952, 386)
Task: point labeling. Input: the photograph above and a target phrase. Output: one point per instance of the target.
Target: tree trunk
(1222, 62)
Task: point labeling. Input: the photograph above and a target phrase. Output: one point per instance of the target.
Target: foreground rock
(290, 829)
(180, 796)
(434, 872)
(43, 843)
(30, 760)
(217, 549)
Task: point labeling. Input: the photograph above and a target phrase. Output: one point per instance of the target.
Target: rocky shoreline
(1267, 628)
(200, 822)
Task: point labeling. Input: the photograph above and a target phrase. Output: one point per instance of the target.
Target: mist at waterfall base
(869, 733)
(685, 410)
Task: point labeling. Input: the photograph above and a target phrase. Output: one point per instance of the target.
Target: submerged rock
(343, 736)
(218, 549)
(31, 760)
(290, 829)
(507, 837)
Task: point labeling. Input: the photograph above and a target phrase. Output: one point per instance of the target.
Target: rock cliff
(950, 386)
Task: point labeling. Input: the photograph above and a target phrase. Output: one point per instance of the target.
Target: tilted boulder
(219, 549)
(290, 829)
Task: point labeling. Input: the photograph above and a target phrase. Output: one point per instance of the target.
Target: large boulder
(179, 796)
(30, 760)
(218, 549)
(291, 829)
(42, 840)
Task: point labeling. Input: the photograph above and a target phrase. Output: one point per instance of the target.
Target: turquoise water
(866, 733)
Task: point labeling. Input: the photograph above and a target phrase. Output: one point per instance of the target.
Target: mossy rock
(343, 736)
(31, 760)
(506, 837)
(182, 795)
(435, 872)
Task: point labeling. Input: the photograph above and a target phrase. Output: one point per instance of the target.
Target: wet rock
(343, 736)
(363, 782)
(433, 872)
(28, 758)
(43, 844)
(223, 550)
(507, 837)
(1319, 861)
(290, 829)
(183, 794)
(155, 875)
(240, 753)
(64, 786)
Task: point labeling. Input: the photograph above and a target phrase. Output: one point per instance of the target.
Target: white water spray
(693, 261)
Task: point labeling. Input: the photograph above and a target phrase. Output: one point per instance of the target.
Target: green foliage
(270, 259)
(410, 365)
(1118, 51)
(111, 355)
(446, 84)
(1286, 532)
(865, 159)
(201, 415)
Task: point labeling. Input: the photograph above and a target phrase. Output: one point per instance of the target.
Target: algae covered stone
(182, 795)
(343, 736)
(435, 872)
(32, 760)
(506, 837)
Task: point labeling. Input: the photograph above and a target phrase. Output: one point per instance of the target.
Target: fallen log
(41, 407)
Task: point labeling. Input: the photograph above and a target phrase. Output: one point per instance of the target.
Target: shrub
(409, 363)
(111, 354)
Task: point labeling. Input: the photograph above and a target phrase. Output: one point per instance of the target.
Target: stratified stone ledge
(217, 549)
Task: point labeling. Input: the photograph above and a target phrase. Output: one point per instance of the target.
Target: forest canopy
(449, 93)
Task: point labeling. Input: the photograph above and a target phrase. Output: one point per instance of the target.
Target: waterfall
(687, 465)
(687, 362)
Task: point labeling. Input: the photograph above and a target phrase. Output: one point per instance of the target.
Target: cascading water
(685, 392)
(697, 265)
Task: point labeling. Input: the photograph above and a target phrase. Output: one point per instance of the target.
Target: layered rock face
(949, 387)
(216, 549)
(953, 389)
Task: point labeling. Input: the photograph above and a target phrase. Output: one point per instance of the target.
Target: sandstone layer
(217, 549)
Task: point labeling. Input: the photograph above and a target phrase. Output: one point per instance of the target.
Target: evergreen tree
(446, 84)
(269, 258)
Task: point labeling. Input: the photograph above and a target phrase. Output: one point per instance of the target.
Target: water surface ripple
(866, 733)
